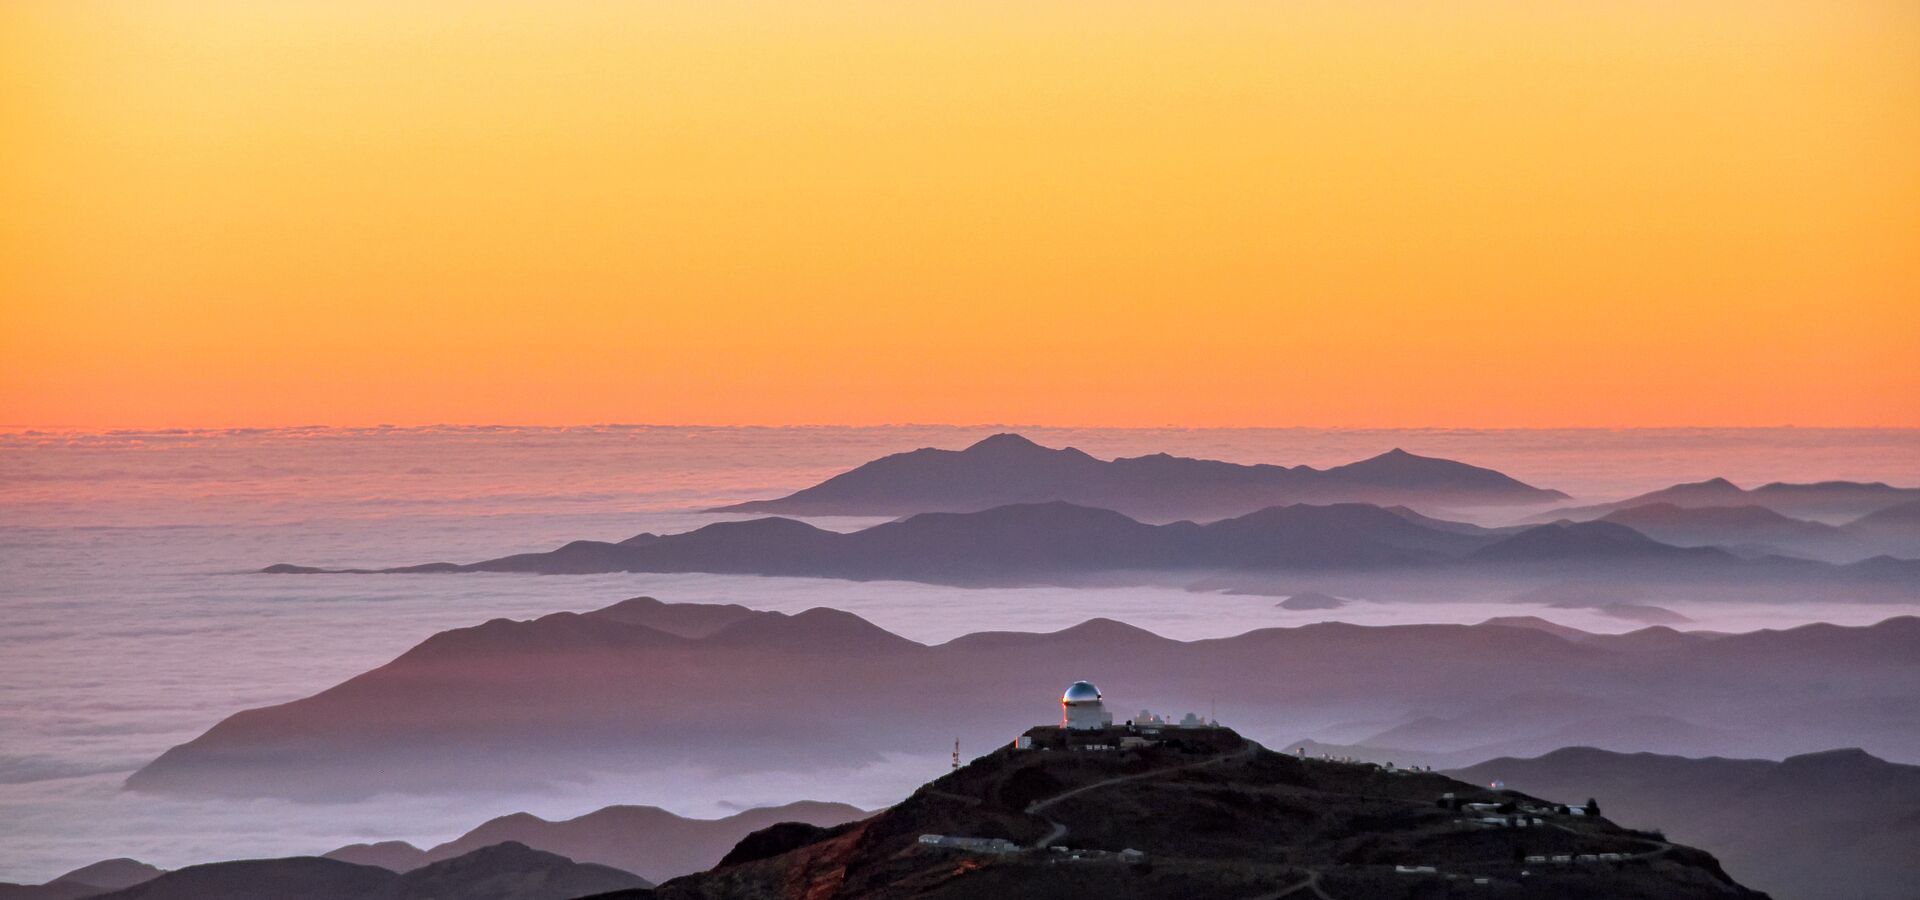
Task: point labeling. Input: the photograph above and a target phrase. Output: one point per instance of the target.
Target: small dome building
(1081, 708)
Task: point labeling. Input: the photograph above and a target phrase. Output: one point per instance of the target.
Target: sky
(1492, 214)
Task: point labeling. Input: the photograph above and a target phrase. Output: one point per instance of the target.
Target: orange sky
(1356, 213)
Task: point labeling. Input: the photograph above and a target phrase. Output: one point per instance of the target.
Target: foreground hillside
(1840, 825)
(643, 685)
(1203, 813)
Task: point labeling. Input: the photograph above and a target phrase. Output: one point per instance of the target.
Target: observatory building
(1081, 709)
(1085, 724)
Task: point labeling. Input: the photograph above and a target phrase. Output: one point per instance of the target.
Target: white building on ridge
(1081, 709)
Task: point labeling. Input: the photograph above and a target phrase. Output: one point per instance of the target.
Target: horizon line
(25, 429)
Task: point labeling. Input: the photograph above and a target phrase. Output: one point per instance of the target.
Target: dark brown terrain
(1206, 814)
(1839, 825)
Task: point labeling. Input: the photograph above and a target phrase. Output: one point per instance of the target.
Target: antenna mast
(956, 753)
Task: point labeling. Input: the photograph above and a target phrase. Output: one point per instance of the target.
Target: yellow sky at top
(1365, 214)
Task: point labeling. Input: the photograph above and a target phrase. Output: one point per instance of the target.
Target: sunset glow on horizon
(1494, 214)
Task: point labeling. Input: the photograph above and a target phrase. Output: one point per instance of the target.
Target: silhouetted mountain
(1060, 543)
(1826, 500)
(1310, 600)
(511, 871)
(525, 704)
(1892, 531)
(1537, 623)
(505, 871)
(1904, 516)
(1747, 527)
(295, 878)
(53, 890)
(689, 620)
(112, 874)
(1007, 469)
(1658, 637)
(645, 840)
(1838, 825)
(91, 880)
(1591, 542)
(1199, 813)
(394, 856)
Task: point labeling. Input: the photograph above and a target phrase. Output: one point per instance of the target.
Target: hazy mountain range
(1060, 543)
(1832, 501)
(636, 840)
(505, 871)
(1839, 825)
(643, 685)
(103, 877)
(1008, 469)
(645, 840)
(1008, 511)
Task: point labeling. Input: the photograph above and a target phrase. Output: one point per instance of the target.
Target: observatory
(1081, 709)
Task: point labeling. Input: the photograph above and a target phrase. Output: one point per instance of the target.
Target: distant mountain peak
(112, 874)
(1010, 468)
(1844, 759)
(1005, 440)
(818, 629)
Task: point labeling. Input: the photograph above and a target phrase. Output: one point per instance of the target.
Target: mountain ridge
(562, 695)
(1007, 468)
(1827, 825)
(1057, 542)
(1197, 812)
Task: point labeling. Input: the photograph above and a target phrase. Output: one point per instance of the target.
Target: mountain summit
(1127, 812)
(1008, 468)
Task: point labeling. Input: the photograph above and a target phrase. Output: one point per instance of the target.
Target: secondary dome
(1080, 692)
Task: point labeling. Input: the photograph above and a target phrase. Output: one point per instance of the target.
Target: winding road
(1037, 807)
(1058, 830)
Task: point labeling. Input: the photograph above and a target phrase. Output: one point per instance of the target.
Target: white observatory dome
(1080, 692)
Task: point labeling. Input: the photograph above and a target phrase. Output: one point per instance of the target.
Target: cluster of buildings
(1570, 858)
(995, 846)
(1432, 870)
(1085, 724)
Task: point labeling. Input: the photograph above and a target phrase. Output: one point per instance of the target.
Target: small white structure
(1023, 742)
(970, 844)
(1081, 709)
